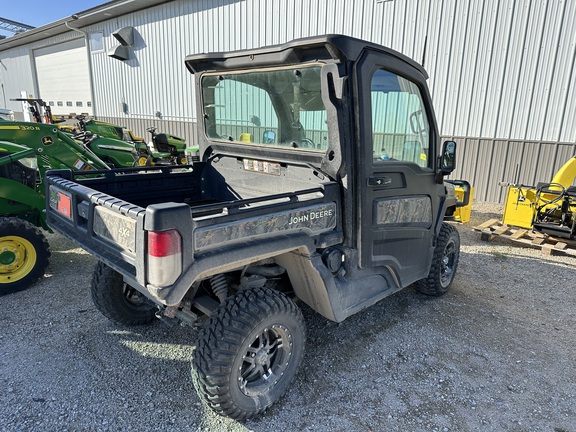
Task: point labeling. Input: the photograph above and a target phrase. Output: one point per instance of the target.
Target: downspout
(90, 73)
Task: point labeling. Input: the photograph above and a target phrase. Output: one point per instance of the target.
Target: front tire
(248, 353)
(117, 300)
(24, 254)
(444, 263)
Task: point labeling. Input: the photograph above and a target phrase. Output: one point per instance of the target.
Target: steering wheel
(307, 143)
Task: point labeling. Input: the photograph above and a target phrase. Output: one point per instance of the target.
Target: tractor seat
(162, 145)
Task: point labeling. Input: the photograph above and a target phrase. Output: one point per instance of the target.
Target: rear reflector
(164, 257)
(164, 243)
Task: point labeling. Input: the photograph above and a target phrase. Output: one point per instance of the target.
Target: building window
(96, 42)
(59, 103)
(69, 103)
(51, 103)
(89, 104)
(78, 104)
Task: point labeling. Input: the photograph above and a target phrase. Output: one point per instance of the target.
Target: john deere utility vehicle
(303, 205)
(27, 151)
(549, 208)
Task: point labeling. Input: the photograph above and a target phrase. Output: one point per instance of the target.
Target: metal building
(501, 72)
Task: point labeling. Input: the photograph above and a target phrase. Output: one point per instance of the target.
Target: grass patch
(499, 255)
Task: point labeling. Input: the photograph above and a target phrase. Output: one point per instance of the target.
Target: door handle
(379, 181)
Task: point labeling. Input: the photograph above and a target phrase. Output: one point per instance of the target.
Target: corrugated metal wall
(501, 72)
(487, 162)
(17, 70)
(15, 76)
(183, 129)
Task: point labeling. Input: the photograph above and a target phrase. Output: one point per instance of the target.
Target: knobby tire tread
(220, 339)
(107, 291)
(430, 285)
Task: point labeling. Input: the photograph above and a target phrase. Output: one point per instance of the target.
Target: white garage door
(63, 77)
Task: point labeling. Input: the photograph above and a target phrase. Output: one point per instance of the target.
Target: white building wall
(18, 71)
(498, 69)
(15, 76)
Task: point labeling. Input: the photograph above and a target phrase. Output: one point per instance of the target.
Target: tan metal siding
(186, 130)
(486, 163)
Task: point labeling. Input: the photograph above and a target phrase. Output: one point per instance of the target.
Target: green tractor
(27, 151)
(167, 149)
(116, 153)
(103, 139)
(109, 143)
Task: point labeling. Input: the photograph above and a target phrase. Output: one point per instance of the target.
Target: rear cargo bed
(111, 215)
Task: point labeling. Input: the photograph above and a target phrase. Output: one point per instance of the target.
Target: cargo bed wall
(223, 180)
(248, 178)
(147, 187)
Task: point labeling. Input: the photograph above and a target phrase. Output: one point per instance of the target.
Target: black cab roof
(317, 48)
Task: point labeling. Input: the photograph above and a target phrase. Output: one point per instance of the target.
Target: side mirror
(448, 157)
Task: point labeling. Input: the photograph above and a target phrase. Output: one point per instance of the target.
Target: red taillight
(163, 243)
(164, 257)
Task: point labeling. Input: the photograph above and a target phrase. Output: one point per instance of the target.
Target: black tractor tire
(248, 352)
(24, 254)
(444, 263)
(117, 300)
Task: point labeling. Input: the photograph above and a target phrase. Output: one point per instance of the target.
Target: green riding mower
(27, 151)
(116, 153)
(167, 149)
(169, 144)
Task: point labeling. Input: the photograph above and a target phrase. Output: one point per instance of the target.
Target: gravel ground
(496, 353)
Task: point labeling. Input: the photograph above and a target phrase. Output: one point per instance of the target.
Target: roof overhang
(103, 12)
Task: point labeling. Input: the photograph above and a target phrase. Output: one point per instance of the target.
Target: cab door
(400, 200)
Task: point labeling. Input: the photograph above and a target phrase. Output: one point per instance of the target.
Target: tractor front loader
(27, 151)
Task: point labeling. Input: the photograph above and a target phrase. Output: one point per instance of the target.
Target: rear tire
(444, 263)
(24, 254)
(117, 300)
(248, 353)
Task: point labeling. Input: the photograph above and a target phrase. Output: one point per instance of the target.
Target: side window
(400, 129)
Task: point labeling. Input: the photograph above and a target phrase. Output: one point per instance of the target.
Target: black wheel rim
(265, 360)
(447, 264)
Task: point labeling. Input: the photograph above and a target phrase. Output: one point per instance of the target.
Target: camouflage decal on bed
(313, 220)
